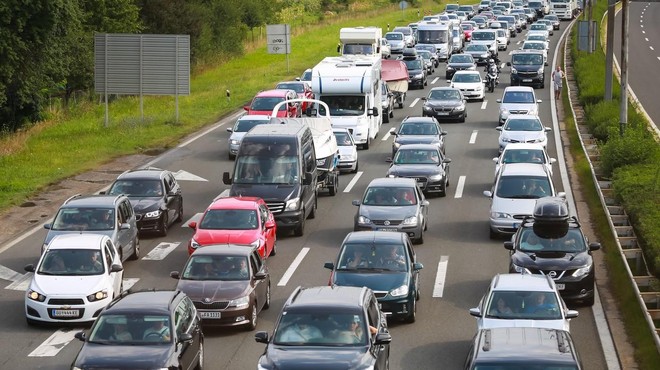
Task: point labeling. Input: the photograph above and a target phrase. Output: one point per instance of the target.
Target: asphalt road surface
(458, 256)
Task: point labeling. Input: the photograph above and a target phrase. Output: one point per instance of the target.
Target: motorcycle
(492, 79)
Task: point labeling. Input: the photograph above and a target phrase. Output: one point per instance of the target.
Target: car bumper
(576, 289)
(397, 308)
(416, 82)
(289, 219)
(536, 80)
(477, 94)
(414, 232)
(346, 166)
(226, 317)
(75, 313)
(444, 116)
(148, 224)
(233, 149)
(504, 226)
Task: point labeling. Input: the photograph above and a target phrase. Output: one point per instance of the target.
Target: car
(502, 39)
(518, 100)
(511, 25)
(453, 18)
(428, 60)
(348, 155)
(538, 29)
(537, 37)
(524, 18)
(548, 24)
(416, 68)
(303, 90)
(430, 48)
(418, 130)
(531, 14)
(459, 62)
(552, 243)
(522, 128)
(479, 53)
(110, 215)
(397, 42)
(424, 163)
(484, 5)
(467, 29)
(554, 19)
(306, 75)
(387, 101)
(385, 49)
(236, 220)
(155, 195)
(470, 83)
(75, 278)
(160, 328)
(462, 16)
(514, 193)
(445, 103)
(228, 284)
(486, 37)
(481, 22)
(458, 39)
(536, 45)
(408, 35)
(337, 327)
(384, 262)
(522, 300)
(393, 204)
(469, 9)
(264, 102)
(241, 127)
(522, 348)
(524, 153)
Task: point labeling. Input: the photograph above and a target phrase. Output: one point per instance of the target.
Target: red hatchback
(302, 88)
(264, 102)
(236, 220)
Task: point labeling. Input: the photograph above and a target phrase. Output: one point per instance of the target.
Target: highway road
(458, 256)
(643, 54)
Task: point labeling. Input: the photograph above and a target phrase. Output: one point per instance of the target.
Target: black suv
(158, 328)
(155, 196)
(522, 348)
(552, 243)
(329, 327)
(416, 68)
(527, 68)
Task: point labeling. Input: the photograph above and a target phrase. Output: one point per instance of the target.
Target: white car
(75, 278)
(538, 29)
(522, 300)
(518, 100)
(523, 128)
(385, 49)
(536, 45)
(240, 128)
(502, 39)
(348, 154)
(524, 153)
(470, 83)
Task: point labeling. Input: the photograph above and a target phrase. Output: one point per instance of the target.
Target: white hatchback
(75, 278)
(470, 83)
(522, 128)
(348, 154)
(524, 153)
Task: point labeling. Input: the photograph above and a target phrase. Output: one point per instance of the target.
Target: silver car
(518, 100)
(348, 154)
(393, 204)
(241, 127)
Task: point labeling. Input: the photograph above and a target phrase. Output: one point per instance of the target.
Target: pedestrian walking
(557, 77)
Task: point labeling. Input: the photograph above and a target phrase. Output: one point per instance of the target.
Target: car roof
(524, 344)
(374, 236)
(224, 249)
(466, 73)
(523, 146)
(522, 282)
(254, 117)
(440, 88)
(518, 88)
(523, 169)
(278, 93)
(523, 116)
(94, 200)
(77, 241)
(235, 203)
(420, 147)
(340, 129)
(392, 182)
(153, 173)
(147, 301)
(419, 119)
(326, 297)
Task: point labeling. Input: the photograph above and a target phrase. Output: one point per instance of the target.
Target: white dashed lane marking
(459, 187)
(353, 181)
(54, 344)
(484, 104)
(386, 136)
(473, 137)
(160, 251)
(651, 47)
(435, 80)
(294, 265)
(439, 286)
(414, 102)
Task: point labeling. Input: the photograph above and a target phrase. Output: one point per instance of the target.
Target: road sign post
(279, 40)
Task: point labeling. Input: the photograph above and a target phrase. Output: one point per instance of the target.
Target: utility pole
(623, 114)
(609, 53)
(591, 28)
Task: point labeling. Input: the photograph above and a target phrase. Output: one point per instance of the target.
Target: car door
(172, 196)
(185, 321)
(380, 352)
(260, 286)
(269, 233)
(423, 209)
(126, 237)
(112, 258)
(413, 258)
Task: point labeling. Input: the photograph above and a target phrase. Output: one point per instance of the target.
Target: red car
(302, 88)
(265, 101)
(236, 220)
(467, 31)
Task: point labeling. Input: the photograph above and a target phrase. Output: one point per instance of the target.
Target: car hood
(205, 237)
(411, 170)
(476, 53)
(376, 281)
(51, 285)
(100, 356)
(268, 192)
(142, 205)
(412, 72)
(443, 103)
(346, 151)
(513, 206)
(559, 324)
(551, 260)
(315, 357)
(467, 85)
(388, 212)
(527, 67)
(518, 106)
(396, 44)
(460, 65)
(197, 290)
(417, 139)
(523, 136)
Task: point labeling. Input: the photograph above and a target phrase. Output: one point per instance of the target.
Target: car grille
(443, 109)
(275, 207)
(66, 301)
(527, 74)
(522, 141)
(521, 217)
(220, 305)
(518, 112)
(382, 222)
(468, 89)
(558, 274)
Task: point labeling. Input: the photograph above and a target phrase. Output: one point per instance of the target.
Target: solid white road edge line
(439, 285)
(54, 344)
(353, 181)
(459, 187)
(294, 265)
(413, 103)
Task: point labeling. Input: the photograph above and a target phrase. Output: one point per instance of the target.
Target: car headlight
(504, 111)
(540, 71)
(450, 68)
(533, 111)
(101, 294)
(427, 108)
(400, 291)
(240, 302)
(234, 142)
(582, 271)
(320, 162)
(460, 108)
(521, 269)
(500, 215)
(471, 68)
(363, 220)
(152, 214)
(396, 145)
(36, 296)
(420, 75)
(292, 204)
(485, 55)
(410, 221)
(194, 244)
(514, 70)
(437, 177)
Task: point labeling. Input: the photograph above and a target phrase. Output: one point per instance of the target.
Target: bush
(601, 117)
(636, 146)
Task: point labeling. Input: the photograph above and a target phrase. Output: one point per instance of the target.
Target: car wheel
(312, 213)
(412, 316)
(267, 303)
(179, 217)
(274, 250)
(200, 361)
(253, 318)
(356, 167)
(589, 301)
(386, 118)
(366, 145)
(333, 188)
(136, 249)
(231, 157)
(420, 240)
(447, 77)
(300, 230)
(391, 112)
(164, 223)
(443, 191)
(492, 234)
(463, 118)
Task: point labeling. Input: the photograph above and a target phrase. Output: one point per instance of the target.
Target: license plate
(209, 315)
(527, 80)
(443, 113)
(387, 229)
(560, 286)
(66, 313)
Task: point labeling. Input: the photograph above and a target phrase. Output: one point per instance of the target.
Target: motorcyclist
(491, 67)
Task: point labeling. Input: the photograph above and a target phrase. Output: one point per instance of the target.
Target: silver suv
(110, 215)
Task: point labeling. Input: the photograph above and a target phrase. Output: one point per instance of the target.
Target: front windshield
(572, 242)
(343, 139)
(483, 36)
(467, 27)
(523, 156)
(245, 125)
(523, 187)
(229, 219)
(266, 169)
(539, 27)
(217, 268)
(88, 219)
(343, 105)
(413, 64)
(369, 257)
(444, 95)
(331, 329)
(523, 124)
(466, 77)
(536, 38)
(131, 329)
(306, 76)
(358, 49)
(455, 32)
(71, 262)
(389, 196)
(417, 156)
(432, 36)
(473, 47)
(533, 46)
(424, 54)
(458, 58)
(418, 128)
(297, 87)
(394, 36)
(137, 188)
(523, 305)
(518, 97)
(266, 103)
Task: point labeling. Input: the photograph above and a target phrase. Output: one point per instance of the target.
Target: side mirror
(388, 159)
(508, 64)
(508, 245)
(546, 64)
(594, 246)
(116, 268)
(175, 275)
(261, 337)
(393, 131)
(446, 160)
(246, 108)
(443, 133)
(185, 337)
(488, 193)
(229, 129)
(425, 203)
(548, 129)
(476, 312)
(355, 202)
(80, 336)
(383, 338)
(495, 159)
(484, 81)
(498, 100)
(29, 268)
(338, 48)
(47, 226)
(124, 226)
(553, 160)
(424, 99)
(260, 275)
(192, 225)
(561, 194)
(448, 81)
(374, 112)
(539, 101)
(102, 192)
(226, 179)
(571, 314)
(498, 128)
(417, 266)
(270, 224)
(329, 265)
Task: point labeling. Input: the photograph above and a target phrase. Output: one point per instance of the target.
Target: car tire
(366, 145)
(231, 157)
(334, 188)
(462, 120)
(447, 77)
(253, 318)
(179, 217)
(274, 250)
(590, 300)
(357, 164)
(312, 213)
(391, 113)
(401, 103)
(300, 229)
(200, 361)
(413, 315)
(420, 240)
(136, 249)
(164, 223)
(492, 234)
(267, 303)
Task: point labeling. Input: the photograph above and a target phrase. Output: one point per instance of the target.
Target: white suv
(522, 300)
(75, 278)
(518, 100)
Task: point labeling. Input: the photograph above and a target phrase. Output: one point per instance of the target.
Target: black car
(445, 104)
(459, 62)
(425, 163)
(155, 196)
(527, 68)
(385, 262)
(551, 243)
(147, 329)
(479, 53)
(416, 68)
(418, 130)
(328, 328)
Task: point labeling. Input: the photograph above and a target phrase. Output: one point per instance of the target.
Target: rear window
(483, 36)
